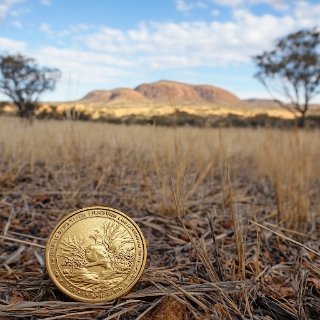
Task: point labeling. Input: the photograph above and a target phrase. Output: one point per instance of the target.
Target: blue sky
(103, 44)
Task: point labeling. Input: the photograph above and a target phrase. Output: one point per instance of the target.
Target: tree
(24, 81)
(292, 70)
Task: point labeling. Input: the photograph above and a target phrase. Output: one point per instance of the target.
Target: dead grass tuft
(224, 242)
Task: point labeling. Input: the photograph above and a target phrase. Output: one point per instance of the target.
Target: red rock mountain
(160, 91)
(213, 94)
(122, 94)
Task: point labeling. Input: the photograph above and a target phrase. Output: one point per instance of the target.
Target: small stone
(219, 307)
(170, 309)
(184, 237)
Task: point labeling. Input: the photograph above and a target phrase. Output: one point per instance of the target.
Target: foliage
(292, 69)
(23, 81)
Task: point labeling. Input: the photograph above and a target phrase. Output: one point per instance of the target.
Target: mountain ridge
(163, 91)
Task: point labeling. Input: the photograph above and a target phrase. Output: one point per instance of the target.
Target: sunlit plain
(141, 160)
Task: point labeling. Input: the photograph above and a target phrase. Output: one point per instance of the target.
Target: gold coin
(95, 254)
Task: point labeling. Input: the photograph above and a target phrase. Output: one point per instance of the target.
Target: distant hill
(120, 94)
(263, 103)
(153, 99)
(271, 104)
(160, 91)
(150, 101)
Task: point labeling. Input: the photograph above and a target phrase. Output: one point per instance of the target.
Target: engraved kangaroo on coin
(95, 254)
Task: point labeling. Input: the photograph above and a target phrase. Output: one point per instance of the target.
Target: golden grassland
(283, 163)
(97, 111)
(257, 258)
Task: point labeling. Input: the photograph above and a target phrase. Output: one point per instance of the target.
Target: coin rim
(71, 295)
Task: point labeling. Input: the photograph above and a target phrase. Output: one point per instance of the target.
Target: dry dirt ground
(230, 217)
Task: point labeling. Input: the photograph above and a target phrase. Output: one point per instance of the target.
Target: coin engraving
(95, 254)
(112, 249)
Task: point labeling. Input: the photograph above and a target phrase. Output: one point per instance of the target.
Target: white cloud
(14, 13)
(229, 3)
(107, 54)
(18, 12)
(215, 13)
(277, 4)
(75, 29)
(45, 2)
(11, 45)
(64, 33)
(191, 44)
(88, 67)
(5, 6)
(45, 27)
(17, 24)
(181, 5)
(83, 57)
(306, 12)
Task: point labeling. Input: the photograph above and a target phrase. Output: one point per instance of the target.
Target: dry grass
(98, 110)
(247, 267)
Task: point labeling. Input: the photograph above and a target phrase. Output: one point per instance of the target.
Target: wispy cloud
(75, 29)
(106, 55)
(181, 5)
(307, 14)
(83, 56)
(12, 45)
(277, 4)
(45, 27)
(191, 44)
(87, 67)
(45, 2)
(20, 11)
(17, 24)
(215, 13)
(5, 6)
